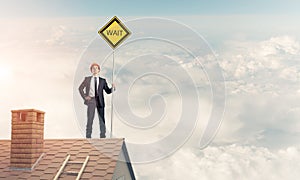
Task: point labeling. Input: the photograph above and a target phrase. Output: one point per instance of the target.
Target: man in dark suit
(91, 90)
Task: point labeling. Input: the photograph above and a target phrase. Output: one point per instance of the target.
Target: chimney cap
(28, 110)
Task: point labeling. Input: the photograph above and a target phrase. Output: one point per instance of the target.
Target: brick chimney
(27, 138)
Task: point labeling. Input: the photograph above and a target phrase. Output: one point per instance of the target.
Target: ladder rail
(83, 167)
(62, 167)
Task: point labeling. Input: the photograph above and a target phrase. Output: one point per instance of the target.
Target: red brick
(26, 146)
(26, 151)
(22, 156)
(27, 140)
(23, 161)
(20, 165)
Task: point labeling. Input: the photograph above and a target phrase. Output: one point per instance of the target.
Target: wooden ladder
(79, 173)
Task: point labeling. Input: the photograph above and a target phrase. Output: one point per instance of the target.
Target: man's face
(95, 70)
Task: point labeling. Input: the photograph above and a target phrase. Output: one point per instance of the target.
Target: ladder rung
(78, 173)
(75, 162)
(71, 172)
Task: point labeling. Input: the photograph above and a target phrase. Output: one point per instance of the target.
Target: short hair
(94, 64)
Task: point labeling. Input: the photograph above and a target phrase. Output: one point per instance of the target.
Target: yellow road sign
(114, 32)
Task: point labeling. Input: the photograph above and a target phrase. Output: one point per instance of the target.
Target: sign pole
(114, 33)
(112, 96)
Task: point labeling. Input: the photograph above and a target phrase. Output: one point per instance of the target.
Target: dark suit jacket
(84, 89)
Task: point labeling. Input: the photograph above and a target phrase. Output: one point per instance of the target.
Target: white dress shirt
(92, 86)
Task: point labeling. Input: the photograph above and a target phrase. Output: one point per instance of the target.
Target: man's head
(95, 68)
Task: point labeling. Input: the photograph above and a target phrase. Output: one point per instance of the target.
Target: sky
(225, 73)
(57, 8)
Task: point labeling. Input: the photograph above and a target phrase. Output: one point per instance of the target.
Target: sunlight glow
(5, 73)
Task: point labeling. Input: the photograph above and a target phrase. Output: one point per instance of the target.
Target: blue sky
(68, 8)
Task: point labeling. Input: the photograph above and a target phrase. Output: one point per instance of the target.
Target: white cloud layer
(226, 163)
(263, 67)
(262, 79)
(262, 82)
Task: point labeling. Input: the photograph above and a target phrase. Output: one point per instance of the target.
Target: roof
(104, 154)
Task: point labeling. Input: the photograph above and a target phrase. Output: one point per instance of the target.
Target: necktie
(95, 80)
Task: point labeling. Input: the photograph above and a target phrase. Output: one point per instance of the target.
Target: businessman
(91, 90)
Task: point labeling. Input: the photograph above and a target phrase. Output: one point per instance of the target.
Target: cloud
(262, 84)
(280, 44)
(290, 74)
(57, 35)
(226, 163)
(268, 66)
(262, 120)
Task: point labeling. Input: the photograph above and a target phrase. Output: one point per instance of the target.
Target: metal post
(112, 96)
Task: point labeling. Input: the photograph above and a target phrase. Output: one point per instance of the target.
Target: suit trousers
(92, 105)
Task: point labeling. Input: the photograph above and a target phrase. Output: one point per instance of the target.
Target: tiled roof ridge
(104, 156)
(73, 139)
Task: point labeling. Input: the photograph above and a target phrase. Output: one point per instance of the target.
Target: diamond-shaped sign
(114, 32)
